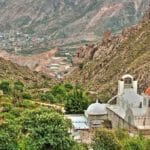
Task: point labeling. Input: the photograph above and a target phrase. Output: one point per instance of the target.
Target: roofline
(97, 114)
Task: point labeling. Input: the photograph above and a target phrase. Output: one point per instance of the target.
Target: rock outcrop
(100, 65)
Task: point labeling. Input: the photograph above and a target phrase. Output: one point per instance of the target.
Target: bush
(5, 87)
(25, 104)
(81, 65)
(121, 134)
(105, 140)
(16, 111)
(8, 137)
(68, 86)
(58, 90)
(26, 95)
(147, 144)
(8, 117)
(48, 96)
(7, 107)
(133, 144)
(18, 86)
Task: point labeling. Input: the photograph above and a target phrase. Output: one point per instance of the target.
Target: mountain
(33, 26)
(99, 66)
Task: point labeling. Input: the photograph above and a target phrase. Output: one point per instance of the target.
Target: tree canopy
(46, 129)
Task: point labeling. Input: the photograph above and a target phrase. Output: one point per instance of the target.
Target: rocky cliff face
(99, 66)
(67, 23)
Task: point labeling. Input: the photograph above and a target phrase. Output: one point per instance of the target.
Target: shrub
(147, 144)
(5, 87)
(25, 104)
(26, 95)
(8, 137)
(121, 134)
(81, 65)
(105, 140)
(7, 107)
(48, 96)
(133, 144)
(16, 111)
(18, 86)
(68, 86)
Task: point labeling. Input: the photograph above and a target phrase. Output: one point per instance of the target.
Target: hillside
(13, 72)
(42, 62)
(33, 26)
(99, 66)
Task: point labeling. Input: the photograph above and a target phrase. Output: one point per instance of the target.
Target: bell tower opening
(128, 83)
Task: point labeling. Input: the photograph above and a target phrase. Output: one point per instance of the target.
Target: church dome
(97, 109)
(147, 92)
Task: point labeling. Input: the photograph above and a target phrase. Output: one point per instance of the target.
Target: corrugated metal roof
(78, 121)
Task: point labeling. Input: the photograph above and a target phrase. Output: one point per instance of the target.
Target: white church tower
(127, 82)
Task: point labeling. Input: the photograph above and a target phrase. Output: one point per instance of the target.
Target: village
(23, 43)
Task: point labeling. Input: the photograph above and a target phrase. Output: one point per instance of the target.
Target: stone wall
(118, 122)
(96, 120)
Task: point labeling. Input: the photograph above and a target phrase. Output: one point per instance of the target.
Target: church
(127, 109)
(131, 110)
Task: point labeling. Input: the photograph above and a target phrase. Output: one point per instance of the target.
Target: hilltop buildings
(128, 110)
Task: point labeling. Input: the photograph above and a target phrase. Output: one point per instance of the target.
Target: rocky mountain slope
(63, 23)
(99, 66)
(13, 72)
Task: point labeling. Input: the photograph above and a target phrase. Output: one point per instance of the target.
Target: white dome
(97, 109)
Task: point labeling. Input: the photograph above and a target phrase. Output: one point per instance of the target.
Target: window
(144, 102)
(129, 119)
(140, 106)
(128, 83)
(149, 103)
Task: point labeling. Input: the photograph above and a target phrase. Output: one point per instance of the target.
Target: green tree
(105, 140)
(8, 137)
(5, 87)
(59, 92)
(45, 129)
(77, 101)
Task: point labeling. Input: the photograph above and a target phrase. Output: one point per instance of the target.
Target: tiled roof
(147, 92)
